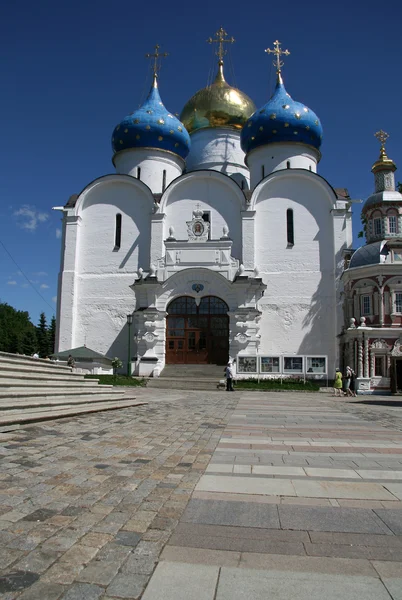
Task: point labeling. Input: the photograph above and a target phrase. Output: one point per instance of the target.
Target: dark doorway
(197, 334)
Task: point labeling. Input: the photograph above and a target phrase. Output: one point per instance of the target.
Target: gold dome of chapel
(217, 105)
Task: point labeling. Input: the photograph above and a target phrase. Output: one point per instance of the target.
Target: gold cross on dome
(221, 39)
(382, 137)
(277, 62)
(157, 56)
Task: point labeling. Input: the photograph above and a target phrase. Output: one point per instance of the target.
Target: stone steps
(196, 371)
(35, 384)
(43, 413)
(34, 389)
(48, 401)
(97, 392)
(184, 383)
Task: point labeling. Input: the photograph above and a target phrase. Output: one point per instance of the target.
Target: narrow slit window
(138, 172)
(262, 171)
(117, 237)
(309, 167)
(164, 180)
(288, 164)
(290, 227)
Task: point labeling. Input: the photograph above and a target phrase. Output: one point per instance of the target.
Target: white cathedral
(215, 237)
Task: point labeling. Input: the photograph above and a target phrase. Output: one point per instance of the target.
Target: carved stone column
(359, 357)
(366, 357)
(381, 306)
(372, 364)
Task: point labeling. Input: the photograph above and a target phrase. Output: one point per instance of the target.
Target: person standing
(352, 387)
(346, 381)
(229, 377)
(338, 383)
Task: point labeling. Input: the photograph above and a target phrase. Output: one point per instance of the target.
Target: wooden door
(197, 334)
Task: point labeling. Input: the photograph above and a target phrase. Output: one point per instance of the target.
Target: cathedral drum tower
(372, 340)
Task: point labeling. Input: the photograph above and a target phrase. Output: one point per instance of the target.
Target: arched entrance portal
(197, 334)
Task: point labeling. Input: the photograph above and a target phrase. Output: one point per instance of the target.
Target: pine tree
(52, 335)
(42, 335)
(29, 342)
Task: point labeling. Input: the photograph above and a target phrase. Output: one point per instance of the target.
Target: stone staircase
(34, 389)
(188, 377)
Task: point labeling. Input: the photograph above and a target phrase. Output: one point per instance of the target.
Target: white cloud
(40, 274)
(28, 217)
(58, 233)
(12, 282)
(44, 286)
(25, 285)
(54, 299)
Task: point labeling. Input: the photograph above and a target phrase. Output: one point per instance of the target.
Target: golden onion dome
(217, 105)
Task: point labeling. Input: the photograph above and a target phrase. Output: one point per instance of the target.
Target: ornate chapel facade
(216, 235)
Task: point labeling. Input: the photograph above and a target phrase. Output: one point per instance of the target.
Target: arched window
(138, 172)
(290, 227)
(392, 222)
(164, 180)
(117, 235)
(288, 164)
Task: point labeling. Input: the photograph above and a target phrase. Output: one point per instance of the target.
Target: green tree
(52, 335)
(42, 335)
(14, 324)
(29, 342)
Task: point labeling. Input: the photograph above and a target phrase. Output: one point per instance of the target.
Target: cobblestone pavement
(87, 503)
(205, 496)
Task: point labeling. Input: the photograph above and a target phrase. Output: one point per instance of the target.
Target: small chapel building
(219, 240)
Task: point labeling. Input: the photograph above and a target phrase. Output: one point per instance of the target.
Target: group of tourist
(345, 385)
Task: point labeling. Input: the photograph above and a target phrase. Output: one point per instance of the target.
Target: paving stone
(79, 554)
(348, 520)
(100, 572)
(392, 518)
(231, 513)
(83, 591)
(37, 561)
(41, 514)
(177, 581)
(127, 586)
(127, 538)
(356, 539)
(41, 590)
(237, 584)
(143, 565)
(350, 551)
(394, 587)
(17, 580)
(62, 572)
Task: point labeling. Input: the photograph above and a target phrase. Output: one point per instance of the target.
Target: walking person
(346, 381)
(338, 383)
(229, 377)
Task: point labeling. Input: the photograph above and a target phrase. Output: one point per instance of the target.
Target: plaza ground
(206, 496)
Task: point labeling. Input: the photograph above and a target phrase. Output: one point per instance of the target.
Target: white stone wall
(95, 297)
(219, 149)
(215, 193)
(158, 168)
(274, 157)
(299, 305)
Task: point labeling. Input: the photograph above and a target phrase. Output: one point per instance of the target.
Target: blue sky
(72, 69)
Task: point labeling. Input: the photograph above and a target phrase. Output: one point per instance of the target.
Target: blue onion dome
(152, 126)
(281, 119)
